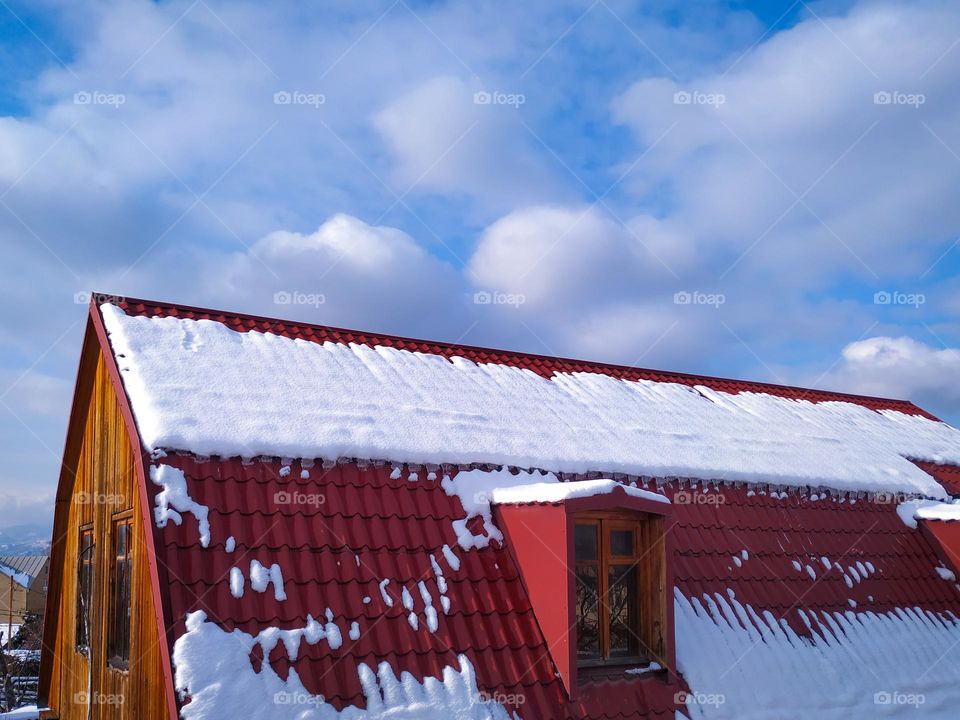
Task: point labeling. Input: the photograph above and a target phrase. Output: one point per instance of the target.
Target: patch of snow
(285, 471)
(811, 572)
(945, 574)
(452, 560)
(261, 577)
(236, 582)
(411, 407)
(652, 667)
(429, 611)
(395, 473)
(213, 668)
(354, 633)
(797, 566)
(387, 600)
(842, 670)
(173, 499)
(230, 545)
(737, 561)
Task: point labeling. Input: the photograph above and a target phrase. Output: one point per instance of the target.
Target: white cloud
(903, 368)
(454, 137)
(799, 114)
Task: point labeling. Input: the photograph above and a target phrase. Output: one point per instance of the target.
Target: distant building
(23, 588)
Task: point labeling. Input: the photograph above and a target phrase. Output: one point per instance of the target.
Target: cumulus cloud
(824, 145)
(456, 137)
(901, 367)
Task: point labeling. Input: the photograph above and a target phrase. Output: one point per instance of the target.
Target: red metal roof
(540, 364)
(393, 526)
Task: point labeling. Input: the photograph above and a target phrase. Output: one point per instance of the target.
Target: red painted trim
(158, 577)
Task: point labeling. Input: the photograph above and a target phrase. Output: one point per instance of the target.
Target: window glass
(621, 542)
(588, 612)
(585, 542)
(622, 603)
(84, 588)
(118, 637)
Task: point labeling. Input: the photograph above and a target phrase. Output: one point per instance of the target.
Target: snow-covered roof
(199, 386)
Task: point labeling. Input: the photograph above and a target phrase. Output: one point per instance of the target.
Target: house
(286, 520)
(23, 588)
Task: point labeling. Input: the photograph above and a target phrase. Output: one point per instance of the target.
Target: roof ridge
(753, 385)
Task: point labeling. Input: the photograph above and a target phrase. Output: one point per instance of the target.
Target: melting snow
(261, 577)
(213, 668)
(174, 499)
(236, 582)
(744, 663)
(333, 400)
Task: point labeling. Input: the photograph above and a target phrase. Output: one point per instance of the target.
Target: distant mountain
(25, 540)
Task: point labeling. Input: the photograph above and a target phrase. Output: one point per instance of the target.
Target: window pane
(621, 542)
(118, 641)
(585, 542)
(84, 588)
(588, 613)
(623, 609)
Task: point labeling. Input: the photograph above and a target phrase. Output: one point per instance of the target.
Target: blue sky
(756, 189)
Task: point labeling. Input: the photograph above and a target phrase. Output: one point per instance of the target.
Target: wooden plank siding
(104, 488)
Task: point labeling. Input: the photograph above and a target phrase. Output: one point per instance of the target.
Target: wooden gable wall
(98, 486)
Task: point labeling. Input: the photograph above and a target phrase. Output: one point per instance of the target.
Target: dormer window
(618, 560)
(615, 616)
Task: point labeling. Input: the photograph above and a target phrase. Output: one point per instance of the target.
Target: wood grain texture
(103, 489)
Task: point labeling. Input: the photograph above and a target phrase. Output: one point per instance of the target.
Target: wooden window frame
(119, 630)
(648, 555)
(86, 563)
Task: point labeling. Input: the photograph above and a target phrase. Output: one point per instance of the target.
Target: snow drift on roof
(904, 663)
(197, 386)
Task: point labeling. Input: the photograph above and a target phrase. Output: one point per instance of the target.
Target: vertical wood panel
(106, 486)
